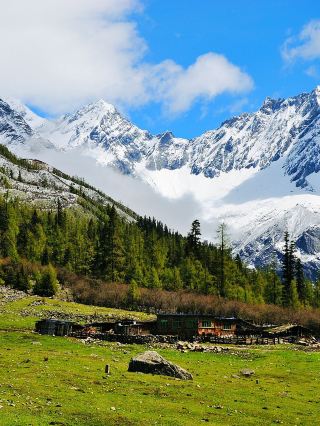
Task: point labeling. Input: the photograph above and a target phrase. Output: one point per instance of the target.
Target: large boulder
(151, 362)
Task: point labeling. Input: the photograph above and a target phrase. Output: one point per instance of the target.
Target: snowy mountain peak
(165, 137)
(317, 93)
(13, 127)
(29, 116)
(259, 171)
(93, 112)
(270, 105)
(100, 107)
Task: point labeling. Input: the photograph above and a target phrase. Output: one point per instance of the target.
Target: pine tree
(47, 283)
(293, 295)
(60, 217)
(113, 258)
(300, 279)
(288, 268)
(133, 293)
(316, 292)
(154, 281)
(273, 290)
(193, 239)
(223, 248)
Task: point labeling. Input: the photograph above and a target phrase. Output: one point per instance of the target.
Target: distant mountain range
(258, 172)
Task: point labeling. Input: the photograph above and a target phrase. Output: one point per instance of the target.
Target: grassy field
(60, 381)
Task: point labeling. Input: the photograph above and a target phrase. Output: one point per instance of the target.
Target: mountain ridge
(261, 165)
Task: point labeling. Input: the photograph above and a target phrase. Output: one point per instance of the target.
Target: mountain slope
(35, 182)
(13, 127)
(258, 172)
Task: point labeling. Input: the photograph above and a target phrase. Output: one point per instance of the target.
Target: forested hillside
(96, 237)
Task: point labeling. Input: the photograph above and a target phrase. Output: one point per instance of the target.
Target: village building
(55, 327)
(179, 326)
(287, 331)
(193, 325)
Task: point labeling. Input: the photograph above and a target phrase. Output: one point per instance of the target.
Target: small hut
(54, 327)
(287, 331)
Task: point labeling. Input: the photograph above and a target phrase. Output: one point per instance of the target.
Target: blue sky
(180, 65)
(249, 33)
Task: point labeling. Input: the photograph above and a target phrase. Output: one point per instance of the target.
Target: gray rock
(247, 372)
(151, 362)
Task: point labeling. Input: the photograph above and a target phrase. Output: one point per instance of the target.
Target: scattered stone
(113, 408)
(235, 376)
(198, 347)
(151, 362)
(247, 372)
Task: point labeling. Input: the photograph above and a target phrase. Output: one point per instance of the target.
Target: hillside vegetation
(84, 232)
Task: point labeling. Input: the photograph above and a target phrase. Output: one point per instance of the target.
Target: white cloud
(209, 76)
(306, 45)
(60, 54)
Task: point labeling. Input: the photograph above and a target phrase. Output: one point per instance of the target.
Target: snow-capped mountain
(13, 127)
(258, 172)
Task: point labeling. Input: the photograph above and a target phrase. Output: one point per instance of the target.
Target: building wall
(189, 326)
(177, 325)
(216, 328)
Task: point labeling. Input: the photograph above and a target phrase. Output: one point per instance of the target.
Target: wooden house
(130, 327)
(125, 327)
(288, 331)
(54, 327)
(191, 325)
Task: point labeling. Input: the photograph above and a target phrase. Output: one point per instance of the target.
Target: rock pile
(8, 294)
(310, 342)
(151, 362)
(196, 347)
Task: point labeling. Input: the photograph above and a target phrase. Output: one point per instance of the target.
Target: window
(227, 326)
(206, 323)
(164, 323)
(176, 324)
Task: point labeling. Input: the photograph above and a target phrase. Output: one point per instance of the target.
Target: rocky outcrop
(151, 362)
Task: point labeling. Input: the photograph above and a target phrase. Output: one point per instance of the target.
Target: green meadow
(48, 380)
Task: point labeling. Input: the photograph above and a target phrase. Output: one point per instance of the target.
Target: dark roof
(199, 316)
(284, 328)
(54, 321)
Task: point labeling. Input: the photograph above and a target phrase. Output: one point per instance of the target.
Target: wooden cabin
(125, 327)
(288, 331)
(129, 327)
(190, 325)
(54, 327)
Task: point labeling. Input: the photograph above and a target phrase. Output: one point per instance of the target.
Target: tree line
(100, 243)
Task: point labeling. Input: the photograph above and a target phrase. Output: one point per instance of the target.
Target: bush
(47, 283)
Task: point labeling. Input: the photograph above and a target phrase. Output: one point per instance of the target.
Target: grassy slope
(70, 387)
(22, 313)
